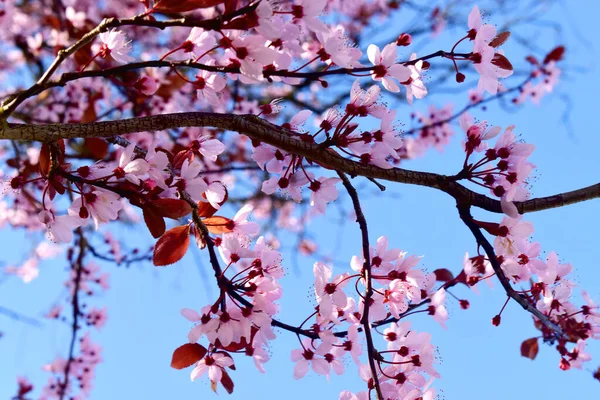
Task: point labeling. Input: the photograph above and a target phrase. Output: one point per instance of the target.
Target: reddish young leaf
(233, 346)
(181, 156)
(44, 159)
(230, 6)
(205, 209)
(530, 348)
(97, 147)
(171, 246)
(186, 355)
(60, 189)
(227, 382)
(218, 225)
(154, 222)
(171, 208)
(493, 228)
(502, 62)
(443, 275)
(179, 6)
(556, 54)
(500, 39)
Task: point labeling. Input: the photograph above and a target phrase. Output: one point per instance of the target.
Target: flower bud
(496, 320)
(404, 40)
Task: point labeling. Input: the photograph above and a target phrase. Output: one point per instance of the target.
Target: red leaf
(218, 225)
(97, 147)
(492, 228)
(227, 382)
(44, 159)
(181, 157)
(556, 54)
(171, 208)
(502, 62)
(205, 209)
(154, 222)
(230, 6)
(172, 246)
(443, 275)
(186, 355)
(237, 346)
(179, 6)
(500, 39)
(60, 189)
(530, 348)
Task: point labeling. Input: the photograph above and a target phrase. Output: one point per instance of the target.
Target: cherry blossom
(214, 364)
(386, 67)
(131, 169)
(115, 44)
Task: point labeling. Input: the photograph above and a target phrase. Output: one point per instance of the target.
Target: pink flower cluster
(233, 323)
(409, 356)
(81, 369)
(551, 291)
(488, 61)
(504, 168)
(104, 185)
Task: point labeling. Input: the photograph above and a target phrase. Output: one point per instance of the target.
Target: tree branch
(366, 272)
(264, 131)
(78, 265)
(465, 215)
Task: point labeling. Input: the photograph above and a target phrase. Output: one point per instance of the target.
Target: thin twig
(366, 272)
(78, 265)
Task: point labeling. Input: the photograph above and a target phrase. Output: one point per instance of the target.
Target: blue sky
(477, 360)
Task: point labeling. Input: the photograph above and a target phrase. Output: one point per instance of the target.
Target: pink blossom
(208, 87)
(116, 45)
(386, 67)
(414, 85)
(308, 11)
(101, 205)
(323, 192)
(146, 85)
(131, 169)
(241, 225)
(190, 182)
(305, 358)
(60, 229)
(215, 364)
(436, 307)
(336, 49)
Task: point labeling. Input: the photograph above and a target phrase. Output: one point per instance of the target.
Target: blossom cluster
(409, 357)
(504, 168)
(551, 291)
(240, 318)
(81, 367)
